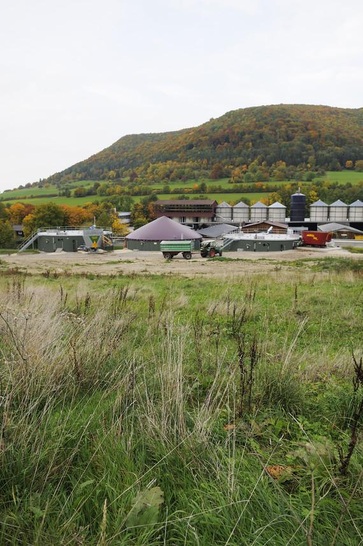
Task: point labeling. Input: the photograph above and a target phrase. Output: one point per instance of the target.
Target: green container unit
(172, 248)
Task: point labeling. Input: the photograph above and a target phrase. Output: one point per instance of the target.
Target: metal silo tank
(298, 207)
(277, 212)
(319, 211)
(338, 211)
(258, 212)
(224, 212)
(356, 211)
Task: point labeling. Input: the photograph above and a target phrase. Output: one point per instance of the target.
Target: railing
(226, 243)
(25, 244)
(58, 229)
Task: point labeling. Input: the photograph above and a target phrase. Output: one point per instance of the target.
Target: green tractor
(210, 249)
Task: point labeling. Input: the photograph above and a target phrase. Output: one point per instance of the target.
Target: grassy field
(343, 177)
(174, 412)
(220, 197)
(37, 196)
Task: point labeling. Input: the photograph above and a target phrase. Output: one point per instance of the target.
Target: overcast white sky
(77, 75)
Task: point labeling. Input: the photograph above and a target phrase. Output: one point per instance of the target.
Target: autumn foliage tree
(18, 211)
(45, 215)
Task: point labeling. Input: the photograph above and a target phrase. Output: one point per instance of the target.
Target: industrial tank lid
(357, 203)
(338, 203)
(224, 204)
(241, 204)
(259, 205)
(277, 205)
(319, 203)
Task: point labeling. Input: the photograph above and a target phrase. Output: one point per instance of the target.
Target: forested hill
(300, 135)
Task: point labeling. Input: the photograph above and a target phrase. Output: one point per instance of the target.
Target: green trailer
(172, 248)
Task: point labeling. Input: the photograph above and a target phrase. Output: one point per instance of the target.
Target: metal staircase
(29, 241)
(226, 243)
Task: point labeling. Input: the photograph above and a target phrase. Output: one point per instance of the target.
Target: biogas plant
(213, 228)
(258, 228)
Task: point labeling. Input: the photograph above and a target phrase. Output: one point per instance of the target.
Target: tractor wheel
(187, 255)
(212, 253)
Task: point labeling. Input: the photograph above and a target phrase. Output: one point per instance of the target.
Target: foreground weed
(357, 417)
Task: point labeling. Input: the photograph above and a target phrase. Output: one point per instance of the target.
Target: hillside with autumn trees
(280, 139)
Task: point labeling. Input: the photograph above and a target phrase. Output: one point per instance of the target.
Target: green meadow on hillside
(37, 196)
(158, 410)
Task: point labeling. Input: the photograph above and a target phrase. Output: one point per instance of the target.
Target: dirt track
(152, 263)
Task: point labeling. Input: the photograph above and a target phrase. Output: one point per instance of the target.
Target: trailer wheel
(187, 255)
(167, 255)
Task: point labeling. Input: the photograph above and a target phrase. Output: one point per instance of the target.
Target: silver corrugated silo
(223, 212)
(356, 211)
(338, 211)
(277, 212)
(241, 212)
(319, 211)
(258, 212)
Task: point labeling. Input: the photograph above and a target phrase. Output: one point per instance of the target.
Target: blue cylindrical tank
(298, 206)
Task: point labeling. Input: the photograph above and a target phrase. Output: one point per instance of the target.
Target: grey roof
(277, 205)
(319, 203)
(224, 204)
(185, 201)
(241, 205)
(334, 226)
(217, 231)
(338, 203)
(269, 222)
(259, 205)
(161, 229)
(357, 203)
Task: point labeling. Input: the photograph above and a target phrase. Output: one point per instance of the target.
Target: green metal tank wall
(51, 243)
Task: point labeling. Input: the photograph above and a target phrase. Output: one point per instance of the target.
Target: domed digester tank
(298, 207)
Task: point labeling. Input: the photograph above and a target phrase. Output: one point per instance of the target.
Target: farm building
(341, 231)
(217, 230)
(264, 225)
(148, 237)
(68, 239)
(187, 211)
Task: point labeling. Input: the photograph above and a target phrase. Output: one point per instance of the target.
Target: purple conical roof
(163, 228)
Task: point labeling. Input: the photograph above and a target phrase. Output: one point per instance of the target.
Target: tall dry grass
(121, 417)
